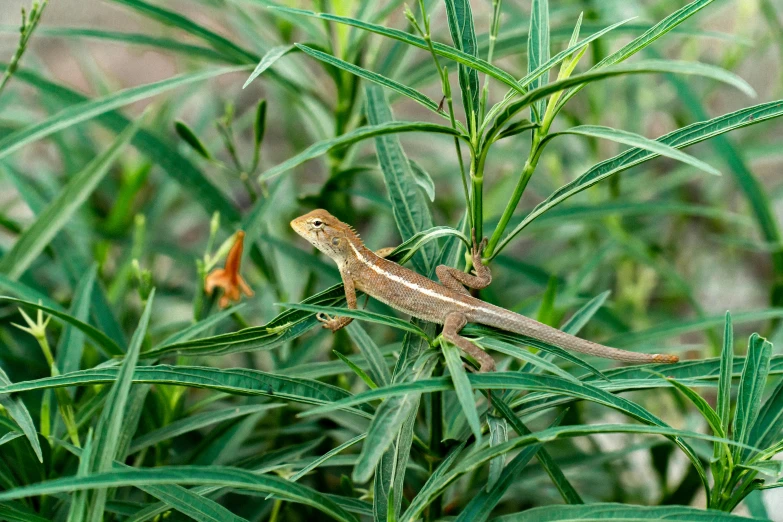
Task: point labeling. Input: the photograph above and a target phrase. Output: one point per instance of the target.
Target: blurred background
(676, 247)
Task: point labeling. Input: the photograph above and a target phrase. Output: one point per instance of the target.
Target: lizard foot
(329, 322)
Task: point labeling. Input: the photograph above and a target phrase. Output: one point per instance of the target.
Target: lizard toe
(324, 318)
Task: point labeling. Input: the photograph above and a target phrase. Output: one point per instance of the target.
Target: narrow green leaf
(462, 387)
(538, 49)
(326, 456)
(359, 314)
(723, 406)
(391, 469)
(174, 19)
(697, 373)
(671, 328)
(463, 34)
(494, 381)
(480, 457)
(17, 512)
(403, 252)
(239, 381)
(383, 430)
(480, 331)
(410, 209)
(564, 487)
(238, 479)
(768, 427)
(355, 369)
(498, 434)
(193, 330)
(379, 370)
(19, 412)
(174, 164)
(26, 293)
(754, 190)
(607, 511)
(196, 422)
(553, 62)
(112, 419)
(482, 503)
(78, 508)
(442, 50)
(376, 78)
(581, 213)
(268, 60)
(751, 389)
(678, 139)
(573, 326)
(772, 468)
(582, 316)
(423, 180)
(164, 44)
(524, 355)
(90, 108)
(644, 40)
(288, 325)
(11, 435)
(354, 136)
(594, 75)
(640, 142)
(71, 345)
(703, 406)
(655, 32)
(106, 345)
(59, 211)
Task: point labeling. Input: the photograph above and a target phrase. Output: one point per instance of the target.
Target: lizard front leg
(455, 279)
(335, 323)
(454, 322)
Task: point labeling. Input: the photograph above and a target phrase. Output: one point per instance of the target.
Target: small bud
(409, 15)
(260, 122)
(188, 136)
(143, 279)
(214, 224)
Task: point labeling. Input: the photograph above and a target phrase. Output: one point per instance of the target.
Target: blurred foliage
(556, 130)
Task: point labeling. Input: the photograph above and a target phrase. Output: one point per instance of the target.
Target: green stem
(435, 511)
(28, 26)
(446, 89)
(494, 27)
(524, 178)
(477, 179)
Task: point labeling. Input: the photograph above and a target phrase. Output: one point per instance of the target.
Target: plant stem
(28, 26)
(435, 511)
(524, 177)
(446, 89)
(494, 27)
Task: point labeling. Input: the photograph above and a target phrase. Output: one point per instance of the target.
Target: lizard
(447, 303)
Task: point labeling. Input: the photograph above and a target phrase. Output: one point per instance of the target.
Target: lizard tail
(519, 324)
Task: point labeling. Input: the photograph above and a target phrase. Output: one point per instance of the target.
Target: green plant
(255, 413)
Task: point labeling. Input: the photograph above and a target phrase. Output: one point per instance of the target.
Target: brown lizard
(448, 303)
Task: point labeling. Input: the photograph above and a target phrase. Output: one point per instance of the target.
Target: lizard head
(326, 233)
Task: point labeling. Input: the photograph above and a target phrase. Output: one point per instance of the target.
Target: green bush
(145, 400)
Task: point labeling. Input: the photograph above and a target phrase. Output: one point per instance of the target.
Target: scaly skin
(447, 303)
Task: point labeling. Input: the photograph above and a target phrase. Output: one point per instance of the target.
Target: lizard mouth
(300, 228)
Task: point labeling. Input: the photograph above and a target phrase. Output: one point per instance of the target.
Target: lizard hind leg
(455, 279)
(451, 326)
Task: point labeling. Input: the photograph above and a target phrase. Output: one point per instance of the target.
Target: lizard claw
(477, 249)
(329, 322)
(324, 318)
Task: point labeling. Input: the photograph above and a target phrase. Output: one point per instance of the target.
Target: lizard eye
(317, 223)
